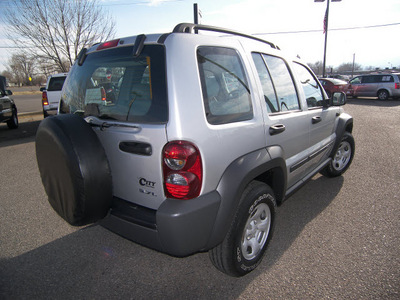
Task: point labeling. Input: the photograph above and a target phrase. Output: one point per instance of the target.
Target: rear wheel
(342, 158)
(383, 95)
(244, 245)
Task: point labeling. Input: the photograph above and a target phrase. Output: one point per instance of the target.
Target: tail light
(45, 101)
(397, 86)
(103, 94)
(182, 169)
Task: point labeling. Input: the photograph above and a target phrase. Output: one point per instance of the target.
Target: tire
(342, 158)
(13, 122)
(383, 95)
(244, 245)
(74, 169)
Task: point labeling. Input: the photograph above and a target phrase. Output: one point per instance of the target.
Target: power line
(139, 3)
(281, 32)
(333, 29)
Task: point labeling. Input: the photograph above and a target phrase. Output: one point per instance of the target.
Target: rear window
(113, 84)
(56, 83)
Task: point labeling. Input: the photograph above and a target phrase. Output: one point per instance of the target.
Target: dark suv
(187, 142)
(8, 109)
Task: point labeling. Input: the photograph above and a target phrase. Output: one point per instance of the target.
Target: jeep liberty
(187, 142)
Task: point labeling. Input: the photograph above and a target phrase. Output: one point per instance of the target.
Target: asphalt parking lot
(334, 239)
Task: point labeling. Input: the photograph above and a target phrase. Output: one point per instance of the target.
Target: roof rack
(193, 28)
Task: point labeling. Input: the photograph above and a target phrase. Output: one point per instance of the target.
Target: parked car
(382, 86)
(8, 109)
(195, 146)
(332, 85)
(51, 94)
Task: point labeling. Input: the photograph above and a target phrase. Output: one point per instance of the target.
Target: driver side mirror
(338, 99)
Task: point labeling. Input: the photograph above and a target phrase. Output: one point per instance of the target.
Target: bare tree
(56, 30)
(21, 66)
(348, 67)
(316, 67)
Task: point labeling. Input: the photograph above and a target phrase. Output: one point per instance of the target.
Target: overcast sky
(369, 29)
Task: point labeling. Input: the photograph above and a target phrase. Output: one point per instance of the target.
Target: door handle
(136, 148)
(276, 129)
(315, 120)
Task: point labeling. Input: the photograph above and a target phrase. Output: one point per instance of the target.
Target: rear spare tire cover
(74, 168)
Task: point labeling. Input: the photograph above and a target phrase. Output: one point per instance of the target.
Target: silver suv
(187, 142)
(382, 86)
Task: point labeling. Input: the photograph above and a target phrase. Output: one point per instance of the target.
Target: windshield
(113, 84)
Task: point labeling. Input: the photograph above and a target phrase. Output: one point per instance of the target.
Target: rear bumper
(178, 227)
(51, 106)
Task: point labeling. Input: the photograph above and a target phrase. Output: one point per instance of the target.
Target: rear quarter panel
(219, 145)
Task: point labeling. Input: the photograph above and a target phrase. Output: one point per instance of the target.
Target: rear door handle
(316, 120)
(136, 148)
(276, 129)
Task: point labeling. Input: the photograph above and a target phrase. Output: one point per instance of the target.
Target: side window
(369, 79)
(310, 86)
(356, 80)
(226, 94)
(283, 83)
(269, 92)
(387, 78)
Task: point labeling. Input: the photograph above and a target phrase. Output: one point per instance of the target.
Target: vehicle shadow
(373, 102)
(25, 133)
(95, 263)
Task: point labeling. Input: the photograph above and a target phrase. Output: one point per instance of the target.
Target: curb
(27, 114)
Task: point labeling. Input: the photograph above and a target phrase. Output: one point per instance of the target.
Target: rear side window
(279, 90)
(56, 83)
(269, 92)
(370, 79)
(386, 78)
(226, 93)
(113, 84)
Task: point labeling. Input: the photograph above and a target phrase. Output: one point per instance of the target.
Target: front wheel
(342, 158)
(246, 241)
(13, 122)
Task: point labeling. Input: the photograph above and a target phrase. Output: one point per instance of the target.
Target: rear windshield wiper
(94, 121)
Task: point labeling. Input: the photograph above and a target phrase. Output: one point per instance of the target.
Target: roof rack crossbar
(190, 28)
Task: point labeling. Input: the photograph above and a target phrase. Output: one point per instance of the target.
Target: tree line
(49, 34)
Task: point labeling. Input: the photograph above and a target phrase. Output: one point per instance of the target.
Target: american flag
(326, 20)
